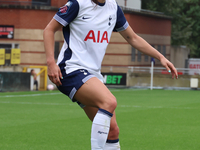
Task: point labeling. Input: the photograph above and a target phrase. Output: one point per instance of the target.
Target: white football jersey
(87, 31)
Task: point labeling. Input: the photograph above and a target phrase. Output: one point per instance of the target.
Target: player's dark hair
(95, 1)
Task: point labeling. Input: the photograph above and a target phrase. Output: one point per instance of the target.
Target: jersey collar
(101, 4)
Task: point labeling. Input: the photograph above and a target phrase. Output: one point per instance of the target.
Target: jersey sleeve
(67, 13)
(121, 23)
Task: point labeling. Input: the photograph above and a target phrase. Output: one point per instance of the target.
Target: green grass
(148, 120)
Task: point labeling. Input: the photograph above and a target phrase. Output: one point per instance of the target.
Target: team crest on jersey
(64, 9)
(110, 18)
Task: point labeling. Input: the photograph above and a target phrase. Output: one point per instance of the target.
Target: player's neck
(101, 1)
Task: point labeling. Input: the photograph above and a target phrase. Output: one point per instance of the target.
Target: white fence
(156, 77)
(162, 70)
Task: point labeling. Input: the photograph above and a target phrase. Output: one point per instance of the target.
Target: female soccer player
(87, 27)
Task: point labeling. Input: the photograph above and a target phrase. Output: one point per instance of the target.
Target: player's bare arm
(140, 44)
(54, 72)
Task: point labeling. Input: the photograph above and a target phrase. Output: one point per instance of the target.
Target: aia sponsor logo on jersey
(64, 9)
(96, 36)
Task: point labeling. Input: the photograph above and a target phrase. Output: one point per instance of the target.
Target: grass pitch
(148, 120)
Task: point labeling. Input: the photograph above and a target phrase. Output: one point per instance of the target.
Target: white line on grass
(131, 90)
(124, 106)
(28, 95)
(30, 103)
(154, 107)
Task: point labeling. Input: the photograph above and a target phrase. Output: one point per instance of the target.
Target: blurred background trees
(185, 21)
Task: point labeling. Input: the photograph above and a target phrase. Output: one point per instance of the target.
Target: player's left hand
(170, 67)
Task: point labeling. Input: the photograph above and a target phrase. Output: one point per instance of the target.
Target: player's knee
(109, 104)
(112, 103)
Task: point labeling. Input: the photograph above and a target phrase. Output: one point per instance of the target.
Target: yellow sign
(15, 56)
(2, 56)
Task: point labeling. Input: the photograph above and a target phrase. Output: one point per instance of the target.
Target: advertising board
(114, 78)
(194, 66)
(6, 32)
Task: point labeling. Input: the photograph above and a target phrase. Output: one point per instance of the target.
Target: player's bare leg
(94, 93)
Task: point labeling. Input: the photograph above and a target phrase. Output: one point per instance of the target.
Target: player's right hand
(54, 74)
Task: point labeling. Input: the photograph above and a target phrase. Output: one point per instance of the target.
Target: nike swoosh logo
(86, 17)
